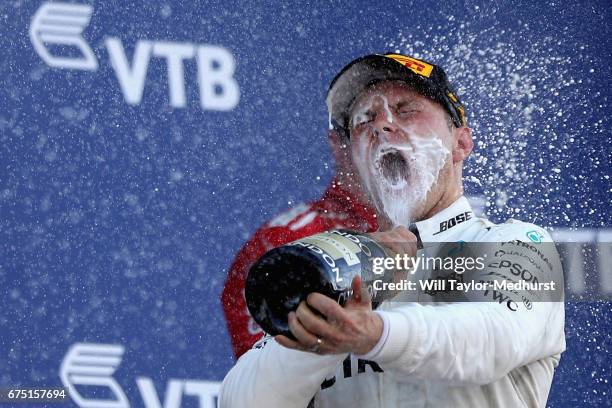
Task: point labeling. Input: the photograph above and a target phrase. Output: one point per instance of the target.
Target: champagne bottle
(325, 263)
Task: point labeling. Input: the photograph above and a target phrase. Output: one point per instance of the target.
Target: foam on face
(361, 112)
(398, 175)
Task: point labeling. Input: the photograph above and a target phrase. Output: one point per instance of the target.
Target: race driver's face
(400, 143)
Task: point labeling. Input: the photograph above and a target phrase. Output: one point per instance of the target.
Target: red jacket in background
(336, 209)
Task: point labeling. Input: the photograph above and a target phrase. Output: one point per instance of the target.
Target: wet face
(401, 144)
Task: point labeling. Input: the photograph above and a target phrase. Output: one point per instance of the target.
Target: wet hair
(449, 121)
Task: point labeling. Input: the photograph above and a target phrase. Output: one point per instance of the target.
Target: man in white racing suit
(494, 347)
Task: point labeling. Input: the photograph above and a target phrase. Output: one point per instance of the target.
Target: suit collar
(447, 223)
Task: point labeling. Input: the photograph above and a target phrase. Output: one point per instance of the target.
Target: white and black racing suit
(498, 350)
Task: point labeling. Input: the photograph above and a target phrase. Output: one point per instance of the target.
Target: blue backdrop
(120, 211)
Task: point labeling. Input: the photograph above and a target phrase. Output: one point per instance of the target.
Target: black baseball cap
(426, 78)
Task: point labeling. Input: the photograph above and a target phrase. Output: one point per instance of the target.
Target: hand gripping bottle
(325, 263)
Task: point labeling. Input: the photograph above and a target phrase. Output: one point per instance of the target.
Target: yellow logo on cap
(457, 105)
(462, 114)
(415, 65)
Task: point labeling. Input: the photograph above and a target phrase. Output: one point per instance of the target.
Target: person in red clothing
(343, 205)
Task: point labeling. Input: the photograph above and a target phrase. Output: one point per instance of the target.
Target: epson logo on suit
(62, 24)
(90, 366)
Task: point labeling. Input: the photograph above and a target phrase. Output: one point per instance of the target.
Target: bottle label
(345, 253)
(336, 246)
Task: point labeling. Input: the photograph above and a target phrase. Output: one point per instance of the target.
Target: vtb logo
(93, 365)
(89, 367)
(61, 25)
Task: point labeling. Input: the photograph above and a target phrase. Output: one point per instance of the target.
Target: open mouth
(392, 166)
